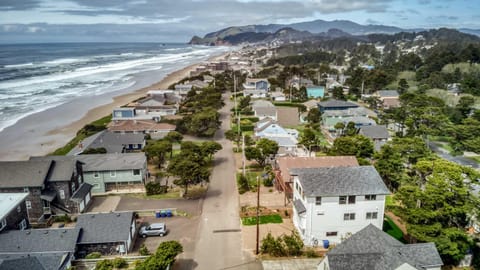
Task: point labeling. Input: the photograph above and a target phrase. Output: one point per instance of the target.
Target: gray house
(378, 134)
(112, 142)
(13, 211)
(371, 249)
(112, 171)
(107, 233)
(54, 186)
(49, 249)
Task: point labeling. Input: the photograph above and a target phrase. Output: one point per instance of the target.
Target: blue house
(315, 91)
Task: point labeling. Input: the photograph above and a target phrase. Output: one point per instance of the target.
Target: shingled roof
(39, 241)
(334, 181)
(372, 249)
(24, 173)
(375, 132)
(104, 227)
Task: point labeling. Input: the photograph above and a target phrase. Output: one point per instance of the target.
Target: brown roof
(285, 164)
(391, 102)
(139, 125)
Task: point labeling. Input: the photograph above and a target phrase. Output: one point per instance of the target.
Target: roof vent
(118, 214)
(92, 216)
(45, 232)
(28, 232)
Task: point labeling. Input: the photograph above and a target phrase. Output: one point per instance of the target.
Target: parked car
(154, 229)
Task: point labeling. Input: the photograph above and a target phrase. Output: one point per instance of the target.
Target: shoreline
(43, 140)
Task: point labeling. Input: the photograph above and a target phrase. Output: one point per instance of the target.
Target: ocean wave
(18, 65)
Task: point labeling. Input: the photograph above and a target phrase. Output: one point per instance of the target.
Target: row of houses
(337, 202)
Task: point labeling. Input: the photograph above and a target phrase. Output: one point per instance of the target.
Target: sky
(27, 21)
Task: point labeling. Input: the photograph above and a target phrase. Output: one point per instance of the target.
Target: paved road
(219, 241)
(457, 159)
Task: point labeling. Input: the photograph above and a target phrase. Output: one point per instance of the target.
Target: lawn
(392, 229)
(248, 221)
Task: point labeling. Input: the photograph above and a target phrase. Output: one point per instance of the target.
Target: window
(3, 224)
(372, 215)
(318, 200)
(136, 172)
(19, 209)
(351, 199)
(25, 189)
(345, 199)
(22, 225)
(332, 233)
(96, 174)
(73, 187)
(28, 204)
(62, 194)
(370, 197)
(349, 216)
(113, 173)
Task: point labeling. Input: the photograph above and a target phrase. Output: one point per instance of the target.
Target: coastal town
(273, 155)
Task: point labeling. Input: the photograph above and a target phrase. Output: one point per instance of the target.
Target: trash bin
(169, 213)
(158, 214)
(326, 244)
(163, 213)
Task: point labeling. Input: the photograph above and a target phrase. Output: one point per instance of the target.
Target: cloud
(18, 4)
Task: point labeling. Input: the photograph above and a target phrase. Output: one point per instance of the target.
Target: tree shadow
(184, 264)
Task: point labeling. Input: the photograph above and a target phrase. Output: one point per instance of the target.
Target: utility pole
(243, 153)
(258, 214)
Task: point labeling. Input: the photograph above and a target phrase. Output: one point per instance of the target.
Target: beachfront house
(264, 109)
(13, 211)
(332, 203)
(107, 233)
(40, 249)
(112, 142)
(371, 248)
(53, 186)
(107, 172)
(183, 89)
(378, 134)
(154, 129)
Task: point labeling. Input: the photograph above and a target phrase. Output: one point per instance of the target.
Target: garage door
(82, 206)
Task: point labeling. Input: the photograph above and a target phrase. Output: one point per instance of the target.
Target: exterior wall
(104, 178)
(329, 217)
(36, 210)
(15, 217)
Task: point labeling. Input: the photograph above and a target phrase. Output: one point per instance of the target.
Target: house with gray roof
(334, 104)
(378, 134)
(38, 249)
(107, 233)
(373, 249)
(332, 203)
(263, 109)
(113, 142)
(285, 138)
(106, 172)
(13, 211)
(53, 186)
(388, 98)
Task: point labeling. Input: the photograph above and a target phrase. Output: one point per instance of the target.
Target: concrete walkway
(102, 204)
(291, 264)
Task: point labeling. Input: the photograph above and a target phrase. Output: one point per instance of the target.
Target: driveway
(457, 159)
(132, 203)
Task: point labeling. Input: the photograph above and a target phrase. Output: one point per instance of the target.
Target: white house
(332, 203)
(286, 138)
(256, 88)
(371, 248)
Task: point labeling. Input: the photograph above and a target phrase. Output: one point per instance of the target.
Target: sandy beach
(42, 133)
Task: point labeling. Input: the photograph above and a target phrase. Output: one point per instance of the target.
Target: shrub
(268, 182)
(144, 250)
(63, 218)
(273, 246)
(293, 244)
(93, 255)
(153, 188)
(119, 263)
(242, 183)
(104, 265)
(310, 253)
(247, 127)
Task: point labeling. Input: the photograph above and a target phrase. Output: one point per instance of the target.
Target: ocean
(37, 77)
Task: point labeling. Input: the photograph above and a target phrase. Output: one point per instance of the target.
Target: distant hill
(298, 31)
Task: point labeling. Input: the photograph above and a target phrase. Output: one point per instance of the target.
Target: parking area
(182, 229)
